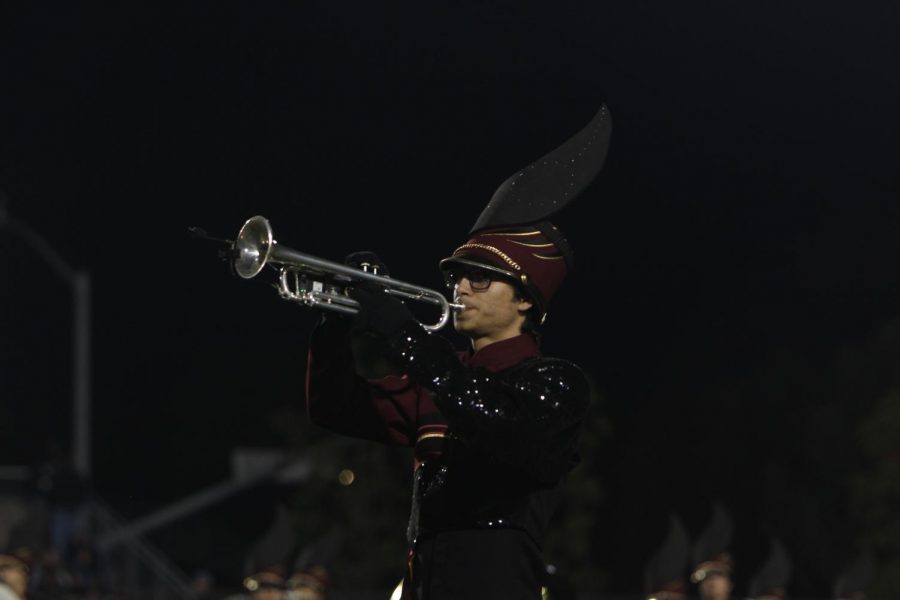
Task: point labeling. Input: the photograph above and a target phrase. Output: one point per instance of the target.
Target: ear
(524, 305)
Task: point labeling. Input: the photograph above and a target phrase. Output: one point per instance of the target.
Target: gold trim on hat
(496, 251)
(425, 436)
(547, 257)
(492, 267)
(550, 245)
(510, 234)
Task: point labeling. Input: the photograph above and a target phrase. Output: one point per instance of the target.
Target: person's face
(715, 587)
(16, 578)
(493, 311)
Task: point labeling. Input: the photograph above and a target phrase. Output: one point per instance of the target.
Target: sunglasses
(479, 279)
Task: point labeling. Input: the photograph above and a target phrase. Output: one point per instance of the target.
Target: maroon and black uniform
(494, 433)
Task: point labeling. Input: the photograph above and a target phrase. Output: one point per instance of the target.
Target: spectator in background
(13, 575)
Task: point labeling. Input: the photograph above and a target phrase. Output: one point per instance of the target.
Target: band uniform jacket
(494, 433)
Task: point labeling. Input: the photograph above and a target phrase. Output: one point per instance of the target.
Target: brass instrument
(317, 282)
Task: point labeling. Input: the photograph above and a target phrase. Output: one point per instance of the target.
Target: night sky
(747, 214)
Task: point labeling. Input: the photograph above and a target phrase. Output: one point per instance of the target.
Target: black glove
(368, 261)
(339, 322)
(379, 311)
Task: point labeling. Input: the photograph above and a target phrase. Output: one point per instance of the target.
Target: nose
(463, 286)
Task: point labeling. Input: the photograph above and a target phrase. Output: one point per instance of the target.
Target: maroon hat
(673, 590)
(720, 564)
(271, 576)
(536, 258)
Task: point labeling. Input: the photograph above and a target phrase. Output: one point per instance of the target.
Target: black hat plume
(670, 561)
(775, 572)
(856, 576)
(544, 187)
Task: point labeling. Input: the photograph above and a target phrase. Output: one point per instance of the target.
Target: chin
(461, 326)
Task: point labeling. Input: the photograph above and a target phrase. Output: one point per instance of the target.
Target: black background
(748, 209)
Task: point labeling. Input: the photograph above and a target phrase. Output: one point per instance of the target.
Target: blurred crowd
(49, 552)
(705, 567)
(23, 578)
(50, 555)
(66, 567)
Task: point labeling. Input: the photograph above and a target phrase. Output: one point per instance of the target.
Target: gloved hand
(379, 311)
(364, 257)
(335, 321)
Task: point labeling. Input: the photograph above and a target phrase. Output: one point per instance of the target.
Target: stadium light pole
(80, 282)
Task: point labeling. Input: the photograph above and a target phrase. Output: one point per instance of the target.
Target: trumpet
(320, 283)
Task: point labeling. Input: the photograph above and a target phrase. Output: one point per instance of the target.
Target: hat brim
(705, 572)
(447, 263)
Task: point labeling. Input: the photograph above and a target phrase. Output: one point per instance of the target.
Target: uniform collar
(503, 354)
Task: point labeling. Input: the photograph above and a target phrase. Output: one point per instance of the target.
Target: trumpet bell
(253, 247)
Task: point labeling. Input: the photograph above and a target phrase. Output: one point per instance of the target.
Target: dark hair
(531, 324)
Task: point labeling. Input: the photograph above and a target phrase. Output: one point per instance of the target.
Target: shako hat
(513, 236)
(710, 551)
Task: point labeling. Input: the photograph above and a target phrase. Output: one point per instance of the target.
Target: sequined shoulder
(552, 380)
